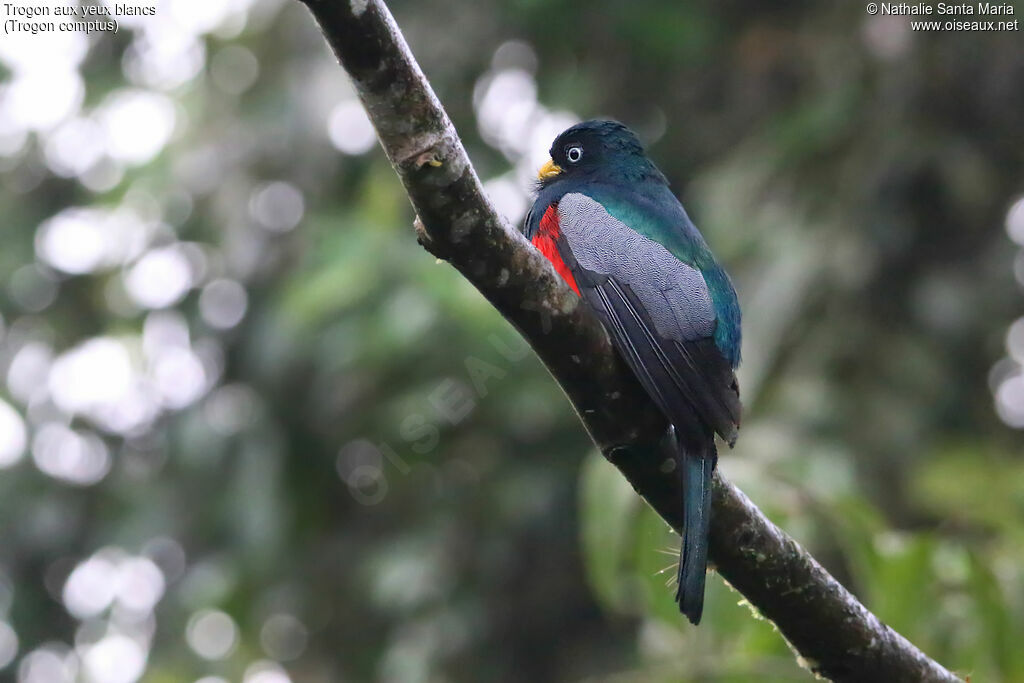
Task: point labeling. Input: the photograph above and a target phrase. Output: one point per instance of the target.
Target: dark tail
(697, 469)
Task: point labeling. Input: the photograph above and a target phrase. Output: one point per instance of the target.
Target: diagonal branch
(835, 635)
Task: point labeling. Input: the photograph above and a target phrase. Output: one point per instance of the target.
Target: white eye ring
(574, 154)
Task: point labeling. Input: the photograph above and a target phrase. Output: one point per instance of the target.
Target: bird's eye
(573, 154)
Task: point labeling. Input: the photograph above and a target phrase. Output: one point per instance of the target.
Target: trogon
(607, 220)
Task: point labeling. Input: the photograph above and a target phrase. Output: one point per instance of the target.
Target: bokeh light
(511, 119)
(140, 584)
(212, 634)
(349, 128)
(8, 645)
(39, 100)
(13, 437)
(283, 637)
(223, 303)
(508, 198)
(230, 408)
(32, 288)
(116, 658)
(1015, 221)
(81, 240)
(277, 206)
(161, 278)
(179, 376)
(72, 241)
(72, 456)
(1010, 400)
(234, 69)
(28, 371)
(91, 376)
(265, 672)
(90, 588)
(75, 147)
(137, 124)
(51, 663)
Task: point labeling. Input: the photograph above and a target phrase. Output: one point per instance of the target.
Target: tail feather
(697, 470)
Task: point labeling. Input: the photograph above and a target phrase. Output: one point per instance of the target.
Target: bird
(607, 220)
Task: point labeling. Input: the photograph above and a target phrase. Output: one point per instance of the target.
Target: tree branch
(833, 633)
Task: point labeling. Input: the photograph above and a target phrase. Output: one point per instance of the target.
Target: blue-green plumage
(605, 215)
(652, 210)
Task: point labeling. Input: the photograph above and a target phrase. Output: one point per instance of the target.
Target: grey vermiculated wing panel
(673, 293)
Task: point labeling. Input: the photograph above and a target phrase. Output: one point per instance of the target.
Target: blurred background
(250, 431)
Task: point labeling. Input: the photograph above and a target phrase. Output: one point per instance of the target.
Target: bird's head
(596, 149)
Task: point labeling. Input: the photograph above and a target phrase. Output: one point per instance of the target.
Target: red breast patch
(546, 241)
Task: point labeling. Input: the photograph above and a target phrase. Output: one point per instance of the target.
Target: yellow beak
(549, 170)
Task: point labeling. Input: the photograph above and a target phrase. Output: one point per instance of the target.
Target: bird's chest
(546, 241)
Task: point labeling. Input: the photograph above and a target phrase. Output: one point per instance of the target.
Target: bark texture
(831, 631)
